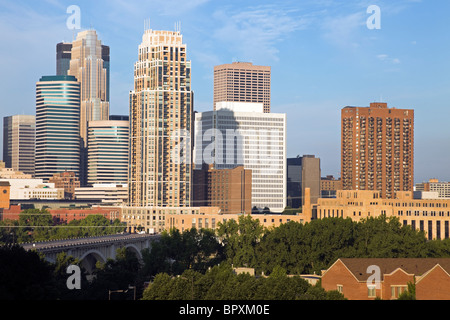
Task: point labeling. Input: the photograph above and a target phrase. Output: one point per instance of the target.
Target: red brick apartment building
(355, 278)
(66, 214)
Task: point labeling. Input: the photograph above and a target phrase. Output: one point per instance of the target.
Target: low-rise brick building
(371, 278)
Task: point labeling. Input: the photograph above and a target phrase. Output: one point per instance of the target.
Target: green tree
(25, 275)
(35, 225)
(117, 274)
(240, 239)
(283, 246)
(63, 261)
(176, 252)
(385, 237)
(159, 289)
(410, 293)
(9, 231)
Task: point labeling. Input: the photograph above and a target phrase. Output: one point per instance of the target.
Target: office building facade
(442, 188)
(303, 172)
(107, 194)
(228, 189)
(29, 189)
(432, 216)
(63, 57)
(57, 126)
(242, 82)
(160, 123)
(329, 185)
(68, 181)
(108, 148)
(241, 134)
(88, 66)
(377, 149)
(19, 133)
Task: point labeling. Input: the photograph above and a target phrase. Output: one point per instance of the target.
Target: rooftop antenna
(146, 24)
(178, 26)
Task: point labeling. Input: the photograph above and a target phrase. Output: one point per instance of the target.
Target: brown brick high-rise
(228, 189)
(242, 82)
(377, 149)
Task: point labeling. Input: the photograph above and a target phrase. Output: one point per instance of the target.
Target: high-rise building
(303, 172)
(63, 57)
(294, 182)
(57, 126)
(228, 189)
(239, 133)
(242, 82)
(108, 147)
(88, 66)
(160, 123)
(107, 66)
(18, 142)
(377, 149)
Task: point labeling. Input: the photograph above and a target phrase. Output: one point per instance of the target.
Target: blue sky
(322, 54)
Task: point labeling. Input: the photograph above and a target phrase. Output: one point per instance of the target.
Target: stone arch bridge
(93, 249)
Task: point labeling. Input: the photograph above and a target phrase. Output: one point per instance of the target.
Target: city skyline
(323, 58)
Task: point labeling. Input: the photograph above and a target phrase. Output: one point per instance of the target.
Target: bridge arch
(134, 249)
(90, 258)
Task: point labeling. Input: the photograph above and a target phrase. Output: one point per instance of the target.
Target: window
(340, 288)
(396, 291)
(371, 291)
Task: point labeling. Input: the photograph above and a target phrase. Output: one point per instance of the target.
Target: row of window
(396, 290)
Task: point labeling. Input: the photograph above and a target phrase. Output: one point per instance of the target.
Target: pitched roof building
(387, 278)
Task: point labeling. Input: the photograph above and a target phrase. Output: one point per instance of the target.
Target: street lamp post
(122, 291)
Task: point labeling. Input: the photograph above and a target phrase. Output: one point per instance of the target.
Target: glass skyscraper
(57, 126)
(63, 56)
(108, 147)
(18, 142)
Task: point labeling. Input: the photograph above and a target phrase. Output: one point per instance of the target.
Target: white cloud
(386, 58)
(159, 7)
(344, 30)
(253, 34)
(27, 52)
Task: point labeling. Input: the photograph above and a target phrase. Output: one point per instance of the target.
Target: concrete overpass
(93, 249)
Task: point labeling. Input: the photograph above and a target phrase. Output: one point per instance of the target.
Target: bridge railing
(64, 243)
